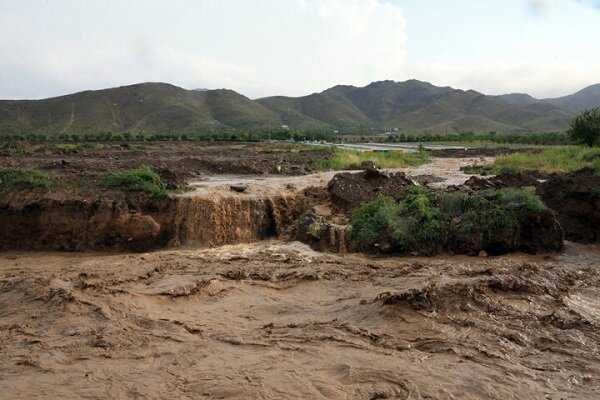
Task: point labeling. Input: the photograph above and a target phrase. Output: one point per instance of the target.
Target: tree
(585, 128)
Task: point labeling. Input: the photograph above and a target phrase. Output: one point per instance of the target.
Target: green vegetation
(486, 138)
(427, 222)
(585, 128)
(556, 159)
(347, 159)
(12, 179)
(166, 111)
(142, 179)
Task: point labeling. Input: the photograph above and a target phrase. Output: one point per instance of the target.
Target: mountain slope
(584, 99)
(146, 107)
(411, 106)
(421, 106)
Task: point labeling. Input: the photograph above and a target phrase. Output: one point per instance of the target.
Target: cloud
(259, 48)
(591, 3)
(538, 8)
(553, 80)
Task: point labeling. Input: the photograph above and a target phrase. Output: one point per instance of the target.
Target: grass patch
(427, 222)
(557, 159)
(11, 179)
(347, 159)
(142, 179)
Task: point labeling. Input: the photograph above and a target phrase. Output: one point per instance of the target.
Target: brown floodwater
(275, 320)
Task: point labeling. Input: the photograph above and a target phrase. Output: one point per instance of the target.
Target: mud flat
(275, 320)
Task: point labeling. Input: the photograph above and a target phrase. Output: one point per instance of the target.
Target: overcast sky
(296, 47)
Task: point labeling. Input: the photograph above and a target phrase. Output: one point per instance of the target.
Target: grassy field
(348, 159)
(552, 159)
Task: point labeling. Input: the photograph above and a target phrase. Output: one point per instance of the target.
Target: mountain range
(410, 106)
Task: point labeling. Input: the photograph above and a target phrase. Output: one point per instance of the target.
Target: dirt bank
(279, 321)
(115, 221)
(575, 197)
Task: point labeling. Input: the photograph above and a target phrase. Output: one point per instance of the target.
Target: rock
(483, 253)
(239, 188)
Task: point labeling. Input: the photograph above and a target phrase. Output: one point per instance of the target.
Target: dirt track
(273, 320)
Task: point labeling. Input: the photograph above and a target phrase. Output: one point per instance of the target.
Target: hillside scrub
(343, 159)
(549, 160)
(427, 223)
(11, 179)
(142, 179)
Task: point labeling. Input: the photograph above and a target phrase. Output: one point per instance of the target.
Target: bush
(23, 179)
(143, 179)
(585, 128)
(374, 220)
(428, 223)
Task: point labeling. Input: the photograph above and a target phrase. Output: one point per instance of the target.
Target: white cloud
(259, 48)
(541, 80)
(538, 8)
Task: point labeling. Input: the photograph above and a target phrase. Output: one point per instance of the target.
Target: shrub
(513, 198)
(142, 179)
(585, 128)
(427, 223)
(23, 179)
(373, 221)
(413, 223)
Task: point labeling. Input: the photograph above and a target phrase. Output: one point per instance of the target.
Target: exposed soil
(176, 161)
(518, 180)
(349, 190)
(576, 199)
(279, 321)
(78, 213)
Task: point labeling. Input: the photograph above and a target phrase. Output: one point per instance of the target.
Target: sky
(547, 48)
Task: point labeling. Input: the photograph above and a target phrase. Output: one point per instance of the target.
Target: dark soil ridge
(140, 223)
(575, 197)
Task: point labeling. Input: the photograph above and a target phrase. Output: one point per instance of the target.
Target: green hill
(410, 106)
(421, 106)
(146, 107)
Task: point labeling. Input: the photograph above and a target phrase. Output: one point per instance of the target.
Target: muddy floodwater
(277, 320)
(447, 171)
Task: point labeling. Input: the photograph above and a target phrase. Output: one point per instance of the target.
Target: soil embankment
(575, 197)
(142, 223)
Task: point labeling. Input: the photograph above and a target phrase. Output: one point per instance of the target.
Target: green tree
(585, 128)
